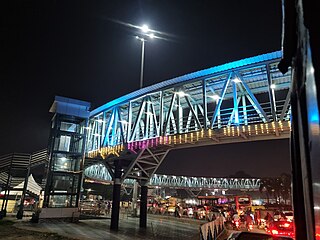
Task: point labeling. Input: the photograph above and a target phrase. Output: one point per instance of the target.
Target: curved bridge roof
(190, 76)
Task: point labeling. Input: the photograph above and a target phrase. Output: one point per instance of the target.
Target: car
(288, 215)
(171, 210)
(277, 215)
(255, 236)
(281, 228)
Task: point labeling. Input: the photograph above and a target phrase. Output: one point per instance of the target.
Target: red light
(286, 225)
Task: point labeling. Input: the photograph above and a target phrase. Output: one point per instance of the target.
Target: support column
(3, 212)
(134, 199)
(143, 205)
(116, 196)
(20, 211)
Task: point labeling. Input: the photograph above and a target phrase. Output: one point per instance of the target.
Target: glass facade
(65, 162)
(66, 159)
(64, 201)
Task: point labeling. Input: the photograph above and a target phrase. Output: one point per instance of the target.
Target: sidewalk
(159, 227)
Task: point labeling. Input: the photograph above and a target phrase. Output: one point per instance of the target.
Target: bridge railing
(259, 131)
(212, 230)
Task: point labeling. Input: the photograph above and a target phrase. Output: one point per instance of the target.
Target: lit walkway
(159, 227)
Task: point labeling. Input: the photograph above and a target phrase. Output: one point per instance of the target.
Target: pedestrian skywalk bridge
(99, 172)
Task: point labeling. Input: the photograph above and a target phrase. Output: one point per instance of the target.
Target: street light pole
(146, 32)
(142, 62)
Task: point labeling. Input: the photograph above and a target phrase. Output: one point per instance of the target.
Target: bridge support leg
(116, 197)
(134, 199)
(143, 205)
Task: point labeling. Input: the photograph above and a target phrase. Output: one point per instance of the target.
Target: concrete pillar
(116, 197)
(143, 205)
(135, 199)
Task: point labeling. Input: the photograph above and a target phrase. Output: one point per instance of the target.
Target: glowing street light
(145, 28)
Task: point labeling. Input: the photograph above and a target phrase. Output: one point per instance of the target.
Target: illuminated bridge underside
(100, 173)
(241, 101)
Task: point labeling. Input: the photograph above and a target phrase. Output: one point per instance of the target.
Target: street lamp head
(140, 38)
(145, 28)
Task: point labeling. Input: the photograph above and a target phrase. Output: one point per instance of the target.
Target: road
(159, 227)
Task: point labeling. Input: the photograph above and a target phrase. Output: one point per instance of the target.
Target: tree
(286, 186)
(266, 187)
(279, 188)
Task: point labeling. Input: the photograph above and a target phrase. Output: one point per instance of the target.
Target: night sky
(81, 49)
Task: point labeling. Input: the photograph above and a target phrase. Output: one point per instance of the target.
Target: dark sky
(77, 49)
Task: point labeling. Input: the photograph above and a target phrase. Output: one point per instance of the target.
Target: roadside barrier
(211, 230)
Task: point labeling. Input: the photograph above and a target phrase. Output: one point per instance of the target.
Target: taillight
(286, 225)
